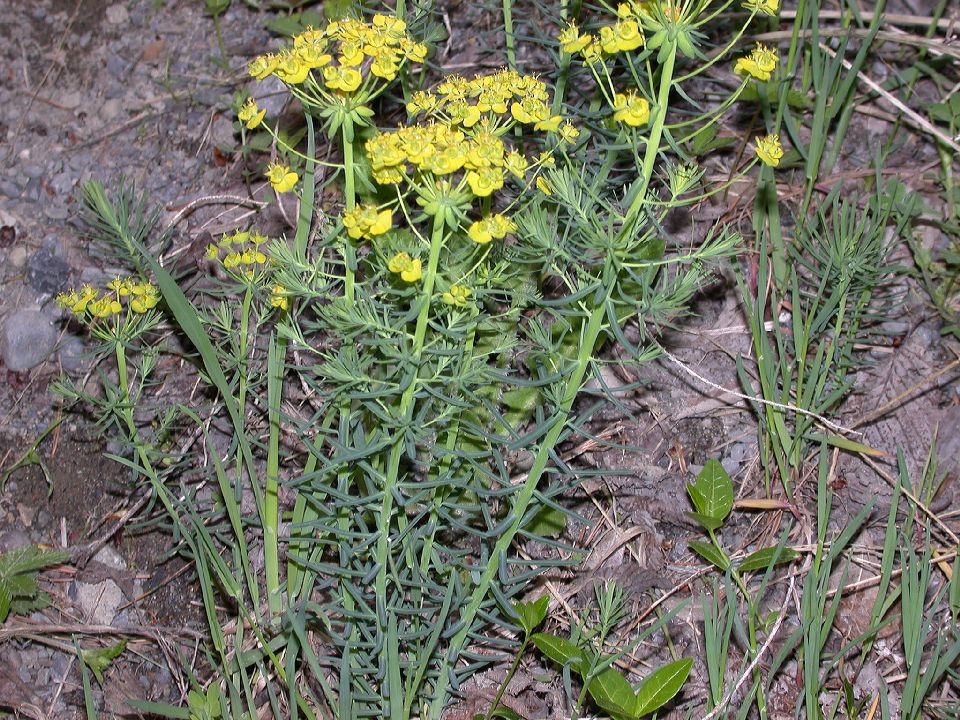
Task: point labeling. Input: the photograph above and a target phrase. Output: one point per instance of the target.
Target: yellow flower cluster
(409, 269)
(760, 64)
(239, 250)
(631, 109)
(366, 222)
(769, 150)
(349, 51)
(625, 35)
(503, 98)
(139, 297)
(490, 228)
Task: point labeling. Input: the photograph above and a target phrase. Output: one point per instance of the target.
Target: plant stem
(271, 519)
(508, 30)
(350, 202)
(404, 413)
(588, 341)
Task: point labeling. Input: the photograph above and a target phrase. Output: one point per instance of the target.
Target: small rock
(56, 212)
(13, 538)
(271, 95)
(99, 603)
(27, 339)
(117, 66)
(17, 257)
(47, 273)
(9, 189)
(110, 557)
(117, 14)
(70, 99)
(72, 355)
(33, 170)
(111, 109)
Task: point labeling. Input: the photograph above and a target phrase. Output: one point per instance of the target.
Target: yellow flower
(571, 41)
(366, 222)
(769, 150)
(105, 307)
(551, 124)
(592, 53)
(544, 187)
(767, 7)
(410, 269)
(621, 37)
(569, 132)
(485, 181)
(290, 70)
(456, 295)
(342, 78)
(279, 298)
(77, 302)
(490, 228)
(631, 109)
(250, 114)
(416, 52)
(760, 64)
(515, 163)
(281, 177)
(146, 296)
(385, 67)
(262, 65)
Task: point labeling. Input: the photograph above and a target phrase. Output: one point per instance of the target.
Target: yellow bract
(281, 178)
(366, 222)
(631, 109)
(760, 64)
(490, 228)
(250, 114)
(571, 41)
(410, 269)
(769, 150)
(767, 7)
(456, 295)
(279, 298)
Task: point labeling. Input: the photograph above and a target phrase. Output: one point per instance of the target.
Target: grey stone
(117, 66)
(47, 273)
(13, 538)
(9, 189)
(117, 14)
(271, 95)
(27, 339)
(110, 557)
(70, 99)
(17, 257)
(55, 211)
(33, 170)
(99, 603)
(72, 355)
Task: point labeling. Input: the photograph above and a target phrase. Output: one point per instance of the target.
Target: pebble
(99, 602)
(17, 257)
(117, 14)
(26, 340)
(70, 99)
(9, 188)
(56, 211)
(47, 273)
(73, 356)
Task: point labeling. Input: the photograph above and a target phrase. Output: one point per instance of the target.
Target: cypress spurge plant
(397, 383)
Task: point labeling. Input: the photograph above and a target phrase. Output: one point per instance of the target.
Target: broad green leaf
(611, 692)
(99, 659)
(500, 711)
(711, 553)
(531, 614)
(561, 651)
(712, 493)
(761, 559)
(661, 686)
(705, 521)
(548, 522)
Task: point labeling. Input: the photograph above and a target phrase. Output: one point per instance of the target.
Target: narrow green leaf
(612, 693)
(845, 444)
(761, 559)
(548, 522)
(711, 553)
(500, 711)
(561, 651)
(661, 686)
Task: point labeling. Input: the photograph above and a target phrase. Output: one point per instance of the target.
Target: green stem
(405, 413)
(506, 680)
(271, 509)
(588, 341)
(350, 201)
(508, 29)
